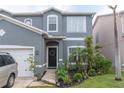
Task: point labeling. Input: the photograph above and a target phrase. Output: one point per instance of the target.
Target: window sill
(76, 32)
(52, 31)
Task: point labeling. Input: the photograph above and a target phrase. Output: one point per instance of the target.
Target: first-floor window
(74, 53)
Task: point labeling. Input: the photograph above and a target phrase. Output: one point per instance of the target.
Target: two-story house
(49, 35)
(103, 33)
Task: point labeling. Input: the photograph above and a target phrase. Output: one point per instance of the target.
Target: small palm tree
(76, 56)
(90, 52)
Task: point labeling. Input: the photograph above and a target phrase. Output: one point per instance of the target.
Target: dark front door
(52, 57)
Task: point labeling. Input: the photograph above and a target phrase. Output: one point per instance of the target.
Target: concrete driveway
(22, 82)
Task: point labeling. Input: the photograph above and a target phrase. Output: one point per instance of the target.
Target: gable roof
(46, 10)
(68, 13)
(3, 10)
(21, 24)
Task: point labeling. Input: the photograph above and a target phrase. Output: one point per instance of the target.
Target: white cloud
(59, 2)
(31, 8)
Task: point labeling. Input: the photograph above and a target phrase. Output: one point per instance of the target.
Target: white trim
(28, 19)
(21, 24)
(66, 39)
(48, 23)
(17, 47)
(56, 56)
(2, 32)
(73, 47)
(14, 46)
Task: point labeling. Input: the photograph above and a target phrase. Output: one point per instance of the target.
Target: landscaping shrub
(92, 72)
(61, 73)
(72, 67)
(103, 64)
(77, 77)
(88, 62)
(63, 76)
(67, 80)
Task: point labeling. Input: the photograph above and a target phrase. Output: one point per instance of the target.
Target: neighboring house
(49, 36)
(103, 33)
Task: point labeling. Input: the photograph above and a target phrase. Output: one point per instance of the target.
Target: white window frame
(56, 23)
(75, 39)
(28, 19)
(84, 25)
(73, 47)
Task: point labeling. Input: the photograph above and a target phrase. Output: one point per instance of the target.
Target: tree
(90, 53)
(117, 52)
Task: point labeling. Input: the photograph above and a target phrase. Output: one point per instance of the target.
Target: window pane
(52, 20)
(8, 60)
(52, 27)
(1, 62)
(72, 55)
(75, 24)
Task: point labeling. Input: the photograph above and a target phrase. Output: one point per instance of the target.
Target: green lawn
(103, 81)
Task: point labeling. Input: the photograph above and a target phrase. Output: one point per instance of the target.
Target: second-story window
(76, 24)
(52, 23)
(28, 21)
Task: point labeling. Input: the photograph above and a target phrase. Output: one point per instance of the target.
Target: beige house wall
(103, 30)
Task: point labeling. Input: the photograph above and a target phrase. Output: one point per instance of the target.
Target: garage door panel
(20, 56)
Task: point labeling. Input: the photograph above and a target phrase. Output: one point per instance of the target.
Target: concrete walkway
(49, 76)
(40, 84)
(48, 80)
(22, 82)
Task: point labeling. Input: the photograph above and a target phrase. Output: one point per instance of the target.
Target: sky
(100, 9)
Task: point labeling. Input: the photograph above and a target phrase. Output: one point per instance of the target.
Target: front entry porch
(54, 52)
(52, 56)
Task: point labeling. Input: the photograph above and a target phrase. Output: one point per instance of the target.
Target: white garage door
(21, 55)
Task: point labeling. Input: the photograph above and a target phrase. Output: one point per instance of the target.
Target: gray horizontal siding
(37, 21)
(16, 35)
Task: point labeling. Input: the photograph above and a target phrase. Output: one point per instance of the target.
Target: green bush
(103, 65)
(92, 72)
(61, 73)
(77, 77)
(67, 80)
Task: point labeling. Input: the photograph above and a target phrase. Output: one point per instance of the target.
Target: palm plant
(90, 52)
(77, 57)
